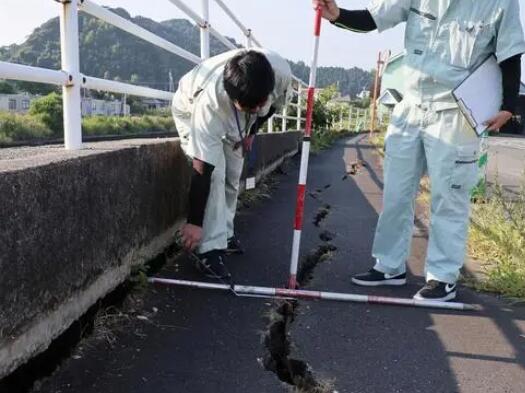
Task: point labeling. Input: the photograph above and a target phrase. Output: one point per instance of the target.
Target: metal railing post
(69, 44)
(299, 109)
(270, 125)
(249, 43)
(205, 31)
(285, 119)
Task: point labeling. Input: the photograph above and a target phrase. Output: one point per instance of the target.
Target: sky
(285, 26)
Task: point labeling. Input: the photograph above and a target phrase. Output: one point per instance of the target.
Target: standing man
(445, 41)
(218, 109)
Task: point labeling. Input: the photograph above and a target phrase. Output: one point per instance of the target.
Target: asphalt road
(204, 341)
(507, 163)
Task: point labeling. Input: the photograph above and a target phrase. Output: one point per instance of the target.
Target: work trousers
(433, 139)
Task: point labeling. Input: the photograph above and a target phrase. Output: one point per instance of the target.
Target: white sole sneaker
(446, 298)
(396, 282)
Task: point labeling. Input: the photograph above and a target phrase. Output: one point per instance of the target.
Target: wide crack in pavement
(277, 339)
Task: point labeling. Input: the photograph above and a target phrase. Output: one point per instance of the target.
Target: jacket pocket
(419, 30)
(464, 38)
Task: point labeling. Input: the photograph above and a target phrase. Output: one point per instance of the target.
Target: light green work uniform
(205, 120)
(444, 40)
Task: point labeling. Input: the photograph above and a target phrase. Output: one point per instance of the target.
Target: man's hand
(329, 7)
(191, 236)
(495, 123)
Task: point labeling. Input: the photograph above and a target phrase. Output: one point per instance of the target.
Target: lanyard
(247, 118)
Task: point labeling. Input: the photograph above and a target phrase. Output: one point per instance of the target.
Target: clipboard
(480, 95)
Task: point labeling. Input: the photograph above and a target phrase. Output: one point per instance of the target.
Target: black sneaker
(374, 278)
(437, 291)
(234, 246)
(211, 264)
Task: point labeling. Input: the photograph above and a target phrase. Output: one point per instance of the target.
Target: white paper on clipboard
(480, 95)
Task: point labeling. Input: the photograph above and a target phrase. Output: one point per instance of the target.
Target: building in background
(155, 105)
(21, 102)
(16, 103)
(365, 94)
(94, 107)
(340, 99)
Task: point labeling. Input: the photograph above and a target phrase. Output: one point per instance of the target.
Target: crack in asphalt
(321, 215)
(277, 339)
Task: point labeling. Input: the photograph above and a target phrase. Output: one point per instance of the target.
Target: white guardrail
(72, 81)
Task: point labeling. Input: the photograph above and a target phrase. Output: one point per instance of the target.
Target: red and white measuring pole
(301, 188)
(281, 293)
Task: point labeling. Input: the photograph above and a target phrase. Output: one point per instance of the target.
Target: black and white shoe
(211, 264)
(437, 291)
(234, 246)
(374, 278)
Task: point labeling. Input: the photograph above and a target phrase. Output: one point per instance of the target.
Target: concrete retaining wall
(72, 225)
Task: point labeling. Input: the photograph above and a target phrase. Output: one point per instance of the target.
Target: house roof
(390, 97)
(397, 57)
(394, 59)
(342, 99)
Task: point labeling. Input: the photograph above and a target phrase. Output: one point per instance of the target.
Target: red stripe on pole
(309, 111)
(299, 209)
(318, 20)
(292, 283)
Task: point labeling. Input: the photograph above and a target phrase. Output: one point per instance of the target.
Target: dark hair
(249, 78)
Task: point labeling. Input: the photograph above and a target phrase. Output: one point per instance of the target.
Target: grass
(114, 125)
(19, 128)
(262, 191)
(14, 128)
(378, 140)
(496, 238)
(323, 139)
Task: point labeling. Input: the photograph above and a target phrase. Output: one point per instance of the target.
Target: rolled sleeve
(510, 41)
(389, 13)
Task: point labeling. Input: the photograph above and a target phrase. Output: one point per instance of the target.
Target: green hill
(107, 52)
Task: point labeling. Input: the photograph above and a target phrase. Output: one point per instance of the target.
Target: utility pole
(382, 60)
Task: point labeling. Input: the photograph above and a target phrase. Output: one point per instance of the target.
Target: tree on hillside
(6, 88)
(107, 52)
(36, 88)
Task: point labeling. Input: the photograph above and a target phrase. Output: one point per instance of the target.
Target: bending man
(218, 109)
